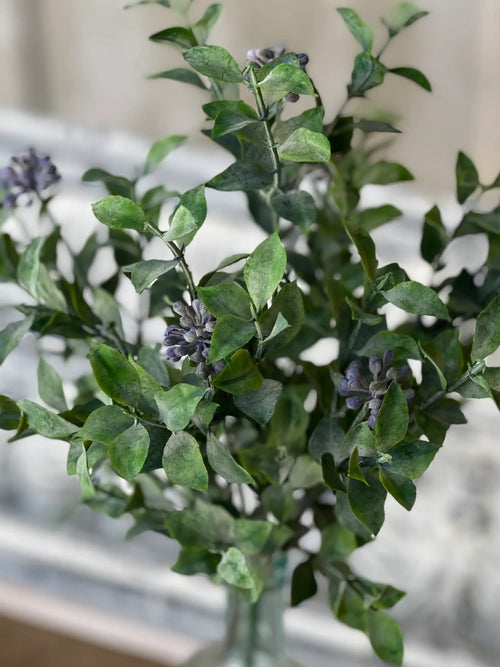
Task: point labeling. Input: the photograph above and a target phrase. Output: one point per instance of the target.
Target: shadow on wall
(86, 62)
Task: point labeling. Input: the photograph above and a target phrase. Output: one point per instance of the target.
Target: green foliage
(239, 403)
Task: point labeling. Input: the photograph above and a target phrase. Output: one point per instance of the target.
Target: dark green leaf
(365, 247)
(214, 62)
(367, 502)
(392, 420)
(331, 476)
(226, 299)
(467, 177)
(303, 583)
(487, 334)
(354, 471)
(240, 375)
(183, 462)
(414, 75)
(382, 173)
(259, 404)
(34, 276)
(115, 185)
(264, 270)
(385, 637)
(368, 126)
(304, 145)
(114, 374)
(297, 206)
(401, 488)
(44, 422)
(359, 436)
(326, 437)
(371, 218)
(368, 73)
(404, 346)
(250, 535)
(204, 526)
(178, 404)
(196, 562)
(418, 299)
(203, 27)
(182, 38)
(305, 473)
(180, 74)
(129, 450)
(50, 386)
(105, 424)
(358, 28)
(12, 334)
(242, 175)
(9, 413)
(337, 541)
(230, 334)
(224, 464)
(84, 479)
(120, 213)
(144, 273)
(288, 302)
(434, 236)
(188, 216)
(411, 459)
(160, 149)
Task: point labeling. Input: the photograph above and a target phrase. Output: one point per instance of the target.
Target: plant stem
(179, 256)
(476, 369)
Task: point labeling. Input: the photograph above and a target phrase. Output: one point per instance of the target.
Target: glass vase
(255, 635)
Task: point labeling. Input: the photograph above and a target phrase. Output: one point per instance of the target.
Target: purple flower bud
(354, 402)
(375, 365)
(388, 358)
(27, 174)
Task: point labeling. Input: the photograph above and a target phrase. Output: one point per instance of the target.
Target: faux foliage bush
(218, 433)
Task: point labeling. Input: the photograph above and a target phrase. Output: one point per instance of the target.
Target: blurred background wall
(86, 62)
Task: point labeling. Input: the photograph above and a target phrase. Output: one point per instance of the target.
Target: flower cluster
(192, 337)
(360, 391)
(27, 174)
(260, 57)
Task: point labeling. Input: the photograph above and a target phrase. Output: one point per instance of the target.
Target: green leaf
(107, 310)
(367, 502)
(467, 177)
(203, 27)
(119, 212)
(288, 302)
(368, 73)
(330, 473)
(312, 119)
(434, 236)
(251, 535)
(385, 637)
(12, 334)
(414, 75)
(183, 462)
(50, 386)
(178, 404)
(242, 175)
(303, 583)
(159, 151)
(354, 471)
(411, 459)
(487, 334)
(34, 276)
(182, 38)
(366, 125)
(82, 470)
(44, 422)
(371, 218)
(105, 424)
(285, 78)
(240, 375)
(392, 420)
(9, 414)
(259, 404)
(365, 247)
(214, 62)
(129, 450)
(230, 334)
(181, 74)
(304, 145)
(297, 206)
(358, 28)
(115, 185)
(359, 436)
(196, 562)
(150, 360)
(382, 173)
(204, 526)
(143, 274)
(224, 464)
(404, 15)
(401, 488)
(188, 216)
(337, 541)
(357, 313)
(114, 374)
(305, 473)
(226, 299)
(264, 270)
(237, 116)
(403, 345)
(233, 568)
(418, 299)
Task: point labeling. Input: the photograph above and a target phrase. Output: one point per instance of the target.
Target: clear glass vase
(255, 634)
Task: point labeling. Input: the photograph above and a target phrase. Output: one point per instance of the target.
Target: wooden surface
(24, 645)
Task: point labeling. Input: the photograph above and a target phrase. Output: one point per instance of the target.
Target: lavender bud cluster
(359, 390)
(192, 337)
(27, 174)
(260, 57)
